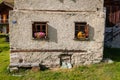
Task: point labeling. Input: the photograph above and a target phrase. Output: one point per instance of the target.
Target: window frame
(34, 29)
(86, 26)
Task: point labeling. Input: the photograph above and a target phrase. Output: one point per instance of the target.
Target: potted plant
(39, 35)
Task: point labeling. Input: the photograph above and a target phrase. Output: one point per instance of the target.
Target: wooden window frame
(4, 18)
(36, 29)
(82, 27)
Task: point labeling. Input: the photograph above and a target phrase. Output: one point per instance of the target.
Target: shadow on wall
(52, 34)
(91, 33)
(63, 1)
(54, 38)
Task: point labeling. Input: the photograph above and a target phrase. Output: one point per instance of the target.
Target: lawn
(101, 71)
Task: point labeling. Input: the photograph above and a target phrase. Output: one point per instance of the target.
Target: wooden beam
(52, 50)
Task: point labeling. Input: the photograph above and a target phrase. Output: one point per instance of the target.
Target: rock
(110, 61)
(13, 69)
(13, 64)
(35, 64)
(69, 65)
(24, 65)
(66, 65)
(107, 60)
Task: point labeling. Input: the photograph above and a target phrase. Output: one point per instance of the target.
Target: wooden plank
(46, 30)
(52, 50)
(92, 11)
(113, 15)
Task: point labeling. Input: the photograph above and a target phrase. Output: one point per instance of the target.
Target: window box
(81, 39)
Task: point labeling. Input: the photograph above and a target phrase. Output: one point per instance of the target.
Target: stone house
(5, 7)
(56, 33)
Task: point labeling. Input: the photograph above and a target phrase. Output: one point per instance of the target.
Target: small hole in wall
(74, 0)
(20, 60)
(65, 61)
(98, 9)
(43, 67)
(61, 1)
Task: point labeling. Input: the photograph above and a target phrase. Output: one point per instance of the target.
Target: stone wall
(52, 59)
(79, 5)
(61, 25)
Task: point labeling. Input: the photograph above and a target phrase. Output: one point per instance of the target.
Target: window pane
(44, 28)
(82, 28)
(38, 28)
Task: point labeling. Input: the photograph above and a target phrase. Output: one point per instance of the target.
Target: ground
(101, 71)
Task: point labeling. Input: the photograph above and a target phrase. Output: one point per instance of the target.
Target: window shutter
(87, 31)
(46, 30)
(33, 29)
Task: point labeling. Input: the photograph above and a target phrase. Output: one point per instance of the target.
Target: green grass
(102, 71)
(4, 60)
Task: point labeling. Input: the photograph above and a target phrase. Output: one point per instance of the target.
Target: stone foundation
(52, 59)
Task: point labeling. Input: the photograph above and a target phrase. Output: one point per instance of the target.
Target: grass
(4, 60)
(101, 71)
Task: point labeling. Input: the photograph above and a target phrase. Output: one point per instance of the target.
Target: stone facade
(61, 16)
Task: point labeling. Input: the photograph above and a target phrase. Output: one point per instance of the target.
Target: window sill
(82, 39)
(40, 38)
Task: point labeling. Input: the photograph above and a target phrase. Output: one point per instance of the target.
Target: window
(81, 30)
(4, 19)
(40, 30)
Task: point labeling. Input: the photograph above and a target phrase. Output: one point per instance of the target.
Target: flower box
(39, 35)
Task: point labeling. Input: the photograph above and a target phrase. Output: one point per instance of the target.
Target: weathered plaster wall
(80, 5)
(60, 31)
